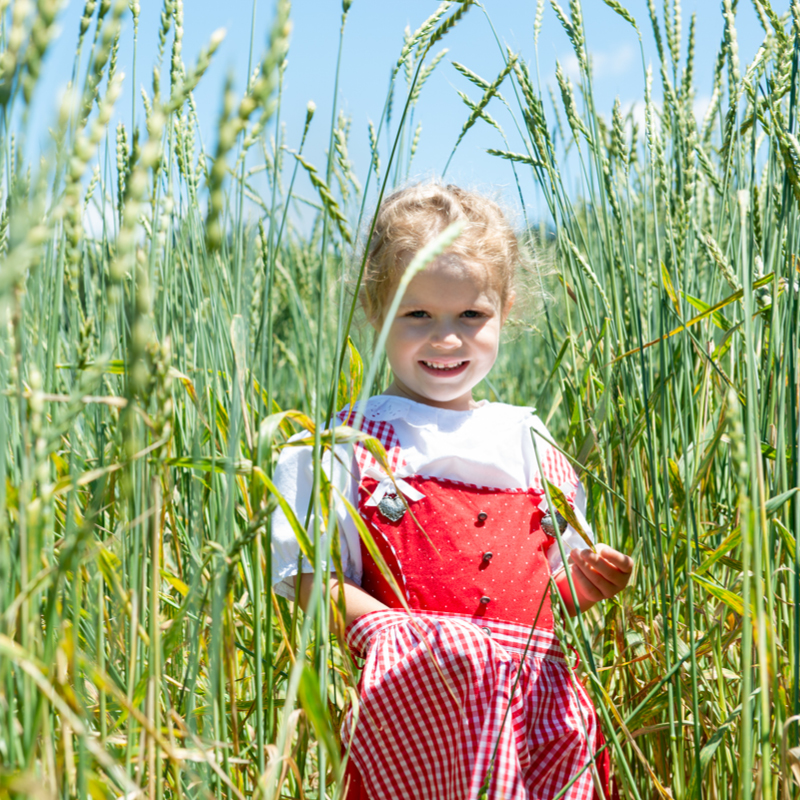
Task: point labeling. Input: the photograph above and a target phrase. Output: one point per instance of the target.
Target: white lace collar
(385, 408)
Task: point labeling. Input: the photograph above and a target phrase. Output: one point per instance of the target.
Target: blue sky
(373, 38)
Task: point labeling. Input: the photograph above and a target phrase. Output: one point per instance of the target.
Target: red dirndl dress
(470, 696)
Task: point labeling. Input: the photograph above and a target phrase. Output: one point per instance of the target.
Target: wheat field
(151, 371)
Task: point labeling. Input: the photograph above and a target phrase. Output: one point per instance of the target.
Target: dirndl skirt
(457, 708)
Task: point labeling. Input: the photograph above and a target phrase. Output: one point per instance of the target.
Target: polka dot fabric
(464, 549)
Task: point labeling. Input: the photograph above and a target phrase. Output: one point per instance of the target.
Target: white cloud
(637, 107)
(93, 219)
(635, 111)
(700, 107)
(604, 65)
(638, 112)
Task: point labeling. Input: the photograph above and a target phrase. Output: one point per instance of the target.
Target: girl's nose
(445, 337)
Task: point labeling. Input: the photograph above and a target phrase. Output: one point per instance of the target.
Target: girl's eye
(472, 314)
(417, 314)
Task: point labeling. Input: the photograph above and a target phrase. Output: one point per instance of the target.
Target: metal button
(486, 600)
(482, 516)
(487, 631)
(487, 557)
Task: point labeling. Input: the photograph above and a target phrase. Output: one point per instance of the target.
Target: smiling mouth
(452, 367)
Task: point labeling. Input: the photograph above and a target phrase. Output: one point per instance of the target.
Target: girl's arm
(357, 602)
(596, 576)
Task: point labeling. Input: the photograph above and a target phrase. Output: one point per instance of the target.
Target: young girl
(469, 696)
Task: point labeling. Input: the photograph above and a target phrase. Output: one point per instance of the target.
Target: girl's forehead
(455, 268)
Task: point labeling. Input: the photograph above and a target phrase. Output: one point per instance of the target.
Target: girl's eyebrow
(411, 301)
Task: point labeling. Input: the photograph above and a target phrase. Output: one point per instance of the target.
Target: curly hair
(412, 217)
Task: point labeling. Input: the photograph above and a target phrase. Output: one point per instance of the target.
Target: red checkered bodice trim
(558, 471)
(384, 432)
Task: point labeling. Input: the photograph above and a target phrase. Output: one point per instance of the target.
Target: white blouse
(490, 445)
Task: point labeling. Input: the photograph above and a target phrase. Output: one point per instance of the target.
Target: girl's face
(445, 337)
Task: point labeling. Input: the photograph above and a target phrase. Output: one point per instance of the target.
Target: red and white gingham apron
(469, 697)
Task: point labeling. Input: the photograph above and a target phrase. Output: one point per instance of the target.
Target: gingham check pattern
(384, 433)
(558, 471)
(492, 714)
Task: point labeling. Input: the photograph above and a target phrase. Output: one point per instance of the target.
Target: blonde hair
(412, 217)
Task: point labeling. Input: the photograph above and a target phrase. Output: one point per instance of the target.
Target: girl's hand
(596, 576)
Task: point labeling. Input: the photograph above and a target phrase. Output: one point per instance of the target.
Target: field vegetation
(151, 371)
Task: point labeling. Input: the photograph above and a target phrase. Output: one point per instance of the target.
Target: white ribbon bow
(387, 487)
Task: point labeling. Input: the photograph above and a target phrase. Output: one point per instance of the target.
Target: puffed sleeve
(294, 479)
(558, 470)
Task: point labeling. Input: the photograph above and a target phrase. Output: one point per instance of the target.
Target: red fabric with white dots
(447, 559)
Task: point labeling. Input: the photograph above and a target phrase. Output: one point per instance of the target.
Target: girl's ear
(508, 306)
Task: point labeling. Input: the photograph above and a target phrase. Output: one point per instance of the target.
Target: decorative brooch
(550, 528)
(392, 507)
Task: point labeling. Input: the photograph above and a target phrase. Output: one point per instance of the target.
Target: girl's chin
(458, 397)
(454, 393)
